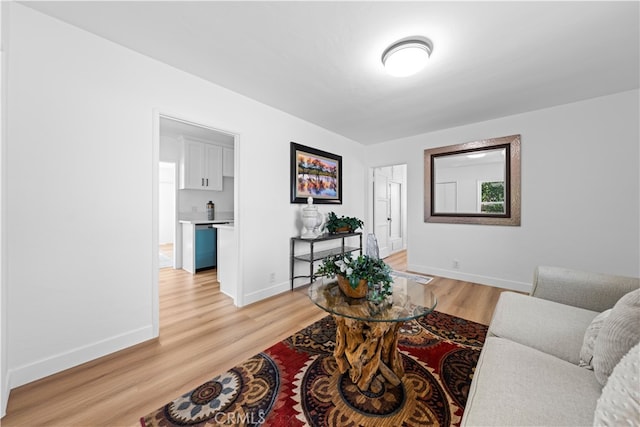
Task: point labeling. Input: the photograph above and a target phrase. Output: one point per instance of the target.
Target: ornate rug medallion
(411, 403)
(247, 391)
(296, 383)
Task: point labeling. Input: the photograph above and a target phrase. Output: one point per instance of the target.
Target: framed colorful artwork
(315, 173)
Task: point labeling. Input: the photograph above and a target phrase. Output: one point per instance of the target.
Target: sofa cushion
(589, 342)
(619, 403)
(516, 385)
(619, 333)
(548, 326)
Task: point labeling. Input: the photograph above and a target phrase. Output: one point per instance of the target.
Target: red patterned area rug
(296, 383)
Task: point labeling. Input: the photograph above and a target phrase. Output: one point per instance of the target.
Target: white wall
(4, 383)
(580, 196)
(193, 203)
(80, 274)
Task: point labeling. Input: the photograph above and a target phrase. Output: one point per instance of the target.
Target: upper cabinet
(200, 165)
(227, 161)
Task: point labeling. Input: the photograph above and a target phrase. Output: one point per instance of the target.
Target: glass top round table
(409, 300)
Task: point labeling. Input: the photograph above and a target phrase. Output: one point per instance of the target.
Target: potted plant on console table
(357, 275)
(343, 224)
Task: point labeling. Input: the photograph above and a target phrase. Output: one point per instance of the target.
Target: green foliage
(492, 196)
(373, 270)
(334, 223)
(493, 191)
(493, 208)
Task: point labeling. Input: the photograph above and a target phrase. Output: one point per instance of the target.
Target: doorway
(176, 203)
(189, 204)
(388, 208)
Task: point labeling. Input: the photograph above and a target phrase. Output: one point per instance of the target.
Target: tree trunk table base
(369, 351)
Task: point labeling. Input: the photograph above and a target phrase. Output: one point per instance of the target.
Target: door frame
(372, 201)
(155, 167)
(401, 209)
(174, 167)
(381, 220)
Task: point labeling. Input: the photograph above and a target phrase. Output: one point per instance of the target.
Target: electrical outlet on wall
(455, 264)
(272, 278)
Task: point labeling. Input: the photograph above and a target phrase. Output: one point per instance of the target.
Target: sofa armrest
(592, 291)
(548, 326)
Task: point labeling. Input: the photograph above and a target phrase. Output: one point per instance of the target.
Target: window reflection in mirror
(474, 183)
(471, 182)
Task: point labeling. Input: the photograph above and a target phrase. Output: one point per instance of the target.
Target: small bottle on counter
(210, 210)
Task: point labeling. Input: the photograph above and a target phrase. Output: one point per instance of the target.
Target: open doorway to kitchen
(177, 201)
(388, 210)
(180, 199)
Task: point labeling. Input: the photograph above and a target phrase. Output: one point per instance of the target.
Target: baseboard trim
(42, 368)
(474, 278)
(266, 292)
(6, 389)
(233, 298)
(431, 271)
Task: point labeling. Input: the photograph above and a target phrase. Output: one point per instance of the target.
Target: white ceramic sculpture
(312, 221)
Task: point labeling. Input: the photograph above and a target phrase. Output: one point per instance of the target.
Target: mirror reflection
(472, 182)
(475, 182)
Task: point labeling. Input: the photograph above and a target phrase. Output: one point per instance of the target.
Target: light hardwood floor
(166, 249)
(201, 335)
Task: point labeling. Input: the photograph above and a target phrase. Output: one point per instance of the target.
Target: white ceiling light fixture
(407, 56)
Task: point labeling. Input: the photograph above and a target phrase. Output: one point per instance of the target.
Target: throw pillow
(589, 341)
(619, 404)
(619, 333)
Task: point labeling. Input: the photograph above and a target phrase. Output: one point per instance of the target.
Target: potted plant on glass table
(357, 276)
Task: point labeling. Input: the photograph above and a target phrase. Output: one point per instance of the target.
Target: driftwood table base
(369, 351)
(367, 333)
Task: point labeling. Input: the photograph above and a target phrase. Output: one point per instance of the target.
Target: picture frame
(506, 147)
(315, 173)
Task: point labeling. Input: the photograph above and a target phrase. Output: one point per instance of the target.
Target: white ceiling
(320, 61)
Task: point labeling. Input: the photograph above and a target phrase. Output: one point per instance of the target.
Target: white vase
(312, 221)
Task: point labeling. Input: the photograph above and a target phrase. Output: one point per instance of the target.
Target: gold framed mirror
(476, 182)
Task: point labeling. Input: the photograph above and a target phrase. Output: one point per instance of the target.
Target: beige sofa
(528, 371)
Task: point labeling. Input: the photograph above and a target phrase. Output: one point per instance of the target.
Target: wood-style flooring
(201, 335)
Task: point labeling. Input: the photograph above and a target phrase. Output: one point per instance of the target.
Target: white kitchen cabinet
(227, 161)
(200, 165)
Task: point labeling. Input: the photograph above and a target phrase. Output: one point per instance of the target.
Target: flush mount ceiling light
(407, 56)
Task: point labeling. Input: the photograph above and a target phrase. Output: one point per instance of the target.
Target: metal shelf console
(313, 256)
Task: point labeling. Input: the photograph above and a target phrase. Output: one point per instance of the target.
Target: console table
(313, 255)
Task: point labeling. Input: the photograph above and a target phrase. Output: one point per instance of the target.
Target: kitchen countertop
(218, 223)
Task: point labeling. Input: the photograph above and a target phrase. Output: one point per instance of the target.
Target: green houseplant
(357, 273)
(343, 224)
